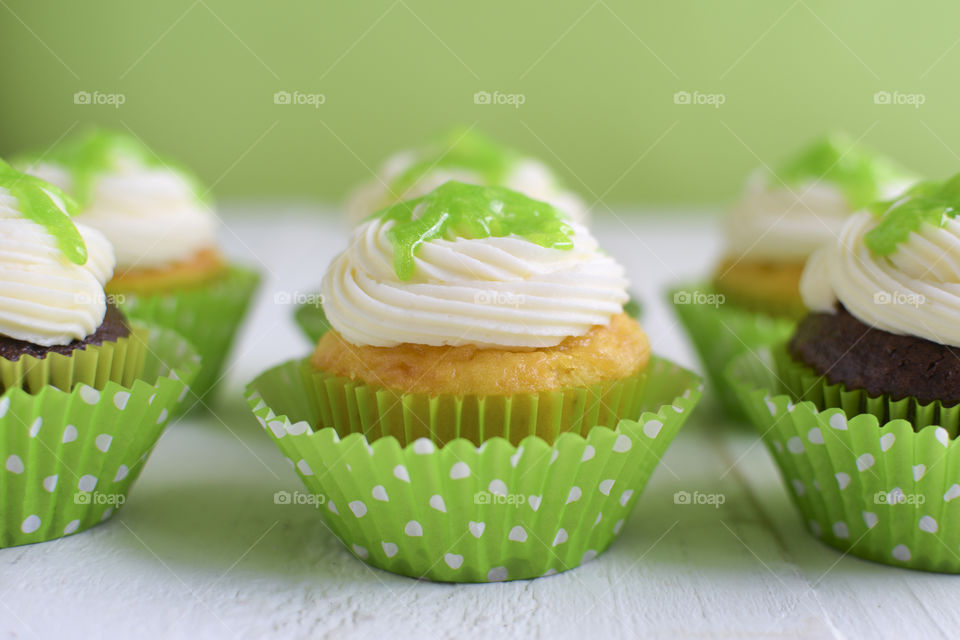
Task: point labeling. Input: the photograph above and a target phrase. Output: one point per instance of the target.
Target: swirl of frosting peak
(149, 210)
(786, 220)
(488, 267)
(48, 296)
(466, 156)
(899, 271)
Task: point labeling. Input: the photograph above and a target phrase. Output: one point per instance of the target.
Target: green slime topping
(99, 151)
(38, 202)
(459, 149)
(924, 203)
(860, 175)
(458, 210)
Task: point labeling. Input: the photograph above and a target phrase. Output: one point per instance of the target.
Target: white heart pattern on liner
(887, 440)
(436, 501)
(652, 428)
(517, 534)
(453, 560)
(838, 421)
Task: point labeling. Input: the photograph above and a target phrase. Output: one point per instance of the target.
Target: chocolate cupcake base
(846, 351)
(113, 327)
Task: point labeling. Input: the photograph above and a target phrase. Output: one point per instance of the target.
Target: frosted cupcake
(479, 358)
(864, 423)
(782, 218)
(84, 394)
(461, 155)
(464, 156)
(169, 267)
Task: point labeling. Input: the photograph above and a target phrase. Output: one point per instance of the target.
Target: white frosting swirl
(44, 298)
(151, 215)
(528, 176)
(913, 291)
(490, 292)
(779, 224)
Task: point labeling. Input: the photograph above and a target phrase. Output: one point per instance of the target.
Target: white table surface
(201, 550)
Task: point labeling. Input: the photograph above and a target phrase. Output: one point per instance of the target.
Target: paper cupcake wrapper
(355, 407)
(874, 488)
(311, 319)
(793, 311)
(120, 361)
(804, 383)
(462, 513)
(208, 316)
(720, 332)
(69, 457)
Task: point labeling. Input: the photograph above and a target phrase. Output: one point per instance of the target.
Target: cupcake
(463, 155)
(783, 217)
(170, 270)
(84, 393)
(864, 422)
(481, 408)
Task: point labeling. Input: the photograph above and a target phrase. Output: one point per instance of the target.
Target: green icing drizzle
(38, 202)
(859, 174)
(924, 203)
(459, 149)
(458, 210)
(99, 151)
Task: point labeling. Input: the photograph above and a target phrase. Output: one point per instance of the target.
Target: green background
(598, 81)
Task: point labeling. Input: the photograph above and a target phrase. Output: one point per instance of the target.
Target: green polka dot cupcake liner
(313, 322)
(354, 407)
(311, 319)
(720, 331)
(874, 477)
(467, 513)
(69, 457)
(118, 361)
(208, 316)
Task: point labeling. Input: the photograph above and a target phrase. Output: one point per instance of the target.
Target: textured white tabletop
(200, 550)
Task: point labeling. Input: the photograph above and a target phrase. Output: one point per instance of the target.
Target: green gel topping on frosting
(459, 149)
(924, 203)
(859, 174)
(99, 151)
(38, 202)
(458, 210)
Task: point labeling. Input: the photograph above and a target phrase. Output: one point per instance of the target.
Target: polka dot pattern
(468, 513)
(70, 467)
(881, 491)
